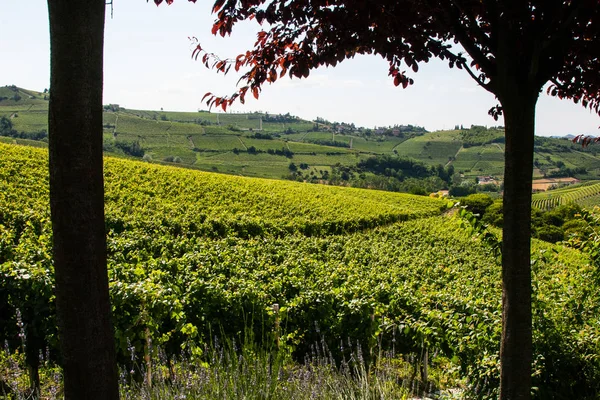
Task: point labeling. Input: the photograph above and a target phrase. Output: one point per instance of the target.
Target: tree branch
(487, 86)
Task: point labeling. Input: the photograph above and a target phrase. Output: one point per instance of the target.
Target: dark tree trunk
(77, 199)
(33, 367)
(516, 345)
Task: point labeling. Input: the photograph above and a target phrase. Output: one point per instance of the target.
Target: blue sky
(148, 66)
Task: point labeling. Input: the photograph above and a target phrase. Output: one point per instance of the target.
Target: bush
(133, 149)
(494, 214)
(550, 233)
(173, 159)
(6, 127)
(477, 203)
(461, 190)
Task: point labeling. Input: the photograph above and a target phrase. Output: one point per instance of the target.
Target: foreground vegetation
(196, 255)
(245, 371)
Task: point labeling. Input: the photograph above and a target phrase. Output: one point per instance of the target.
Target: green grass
(27, 97)
(217, 143)
(310, 148)
(262, 144)
(31, 121)
(376, 145)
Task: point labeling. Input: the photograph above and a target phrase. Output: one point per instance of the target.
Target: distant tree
(6, 127)
(292, 167)
(461, 190)
(130, 148)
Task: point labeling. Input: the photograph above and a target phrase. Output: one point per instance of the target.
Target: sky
(148, 65)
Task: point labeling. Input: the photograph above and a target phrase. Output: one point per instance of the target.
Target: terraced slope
(586, 195)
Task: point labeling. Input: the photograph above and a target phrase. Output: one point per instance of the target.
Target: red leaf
(272, 75)
(218, 5)
(397, 80)
(255, 92)
(206, 95)
(196, 52)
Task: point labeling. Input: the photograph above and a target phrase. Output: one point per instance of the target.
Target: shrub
(550, 233)
(477, 203)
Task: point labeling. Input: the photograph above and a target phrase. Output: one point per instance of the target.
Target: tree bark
(516, 344)
(77, 199)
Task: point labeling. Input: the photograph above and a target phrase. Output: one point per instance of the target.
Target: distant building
(484, 180)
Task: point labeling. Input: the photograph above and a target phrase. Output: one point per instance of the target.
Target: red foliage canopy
(563, 37)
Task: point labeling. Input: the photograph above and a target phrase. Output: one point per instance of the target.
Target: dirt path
(454, 158)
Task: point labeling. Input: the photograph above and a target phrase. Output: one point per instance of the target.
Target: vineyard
(193, 253)
(585, 195)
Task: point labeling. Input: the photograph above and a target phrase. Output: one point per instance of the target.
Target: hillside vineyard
(193, 253)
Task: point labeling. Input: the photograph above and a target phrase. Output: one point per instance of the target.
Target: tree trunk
(516, 345)
(77, 199)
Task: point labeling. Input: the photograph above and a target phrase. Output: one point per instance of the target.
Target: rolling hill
(266, 145)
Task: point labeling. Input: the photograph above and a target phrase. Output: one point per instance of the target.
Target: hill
(285, 146)
(192, 253)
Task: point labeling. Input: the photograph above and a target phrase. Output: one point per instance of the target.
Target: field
(272, 145)
(586, 195)
(432, 148)
(481, 160)
(191, 253)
